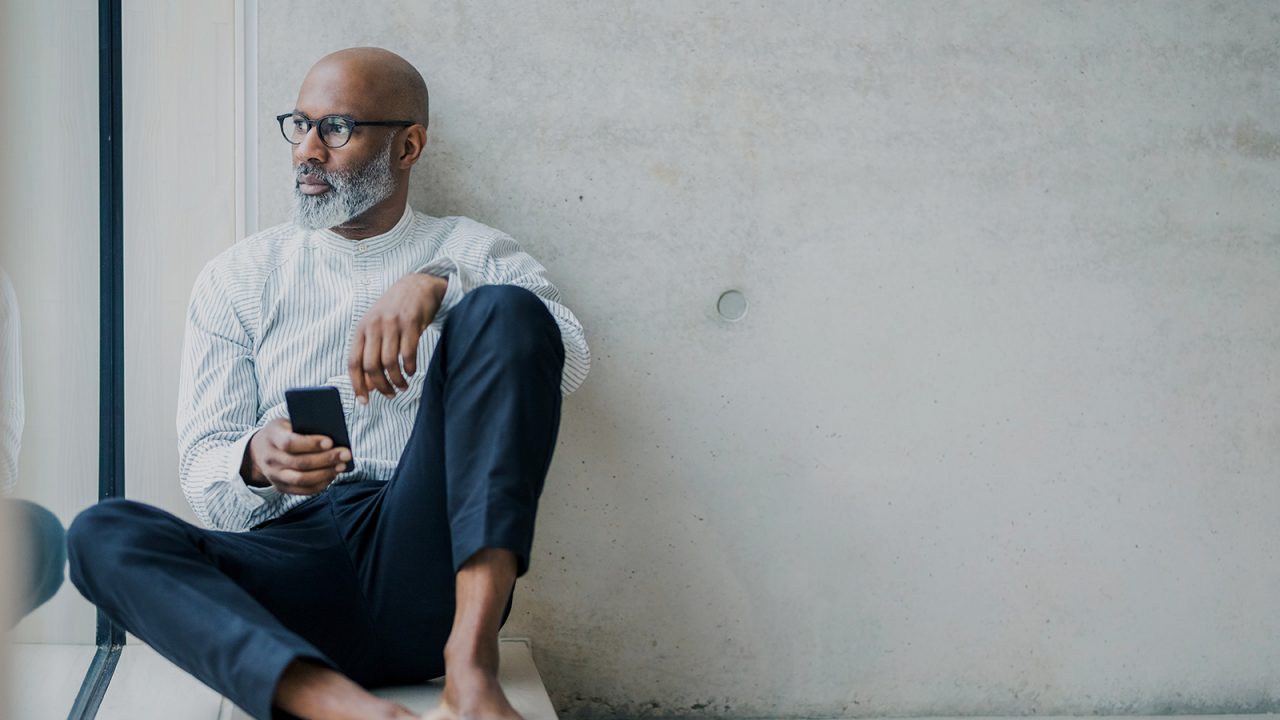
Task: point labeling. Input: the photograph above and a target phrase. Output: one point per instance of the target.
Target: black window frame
(110, 636)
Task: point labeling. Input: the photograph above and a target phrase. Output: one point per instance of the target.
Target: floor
(46, 679)
(146, 685)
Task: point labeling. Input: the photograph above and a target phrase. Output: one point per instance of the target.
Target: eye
(339, 127)
(299, 125)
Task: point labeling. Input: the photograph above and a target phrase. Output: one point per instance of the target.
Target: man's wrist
(437, 286)
(248, 471)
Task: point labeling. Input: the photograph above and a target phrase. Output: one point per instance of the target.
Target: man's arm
(11, 403)
(218, 410)
(499, 260)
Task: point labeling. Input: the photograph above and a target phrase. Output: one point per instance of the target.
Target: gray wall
(998, 434)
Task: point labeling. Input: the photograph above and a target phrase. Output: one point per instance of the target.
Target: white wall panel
(180, 119)
(49, 247)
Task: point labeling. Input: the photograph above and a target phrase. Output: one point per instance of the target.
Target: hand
(291, 463)
(389, 331)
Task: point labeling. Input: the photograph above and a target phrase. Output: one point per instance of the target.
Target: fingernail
(341, 467)
(326, 443)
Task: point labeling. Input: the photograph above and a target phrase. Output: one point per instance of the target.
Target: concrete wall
(999, 431)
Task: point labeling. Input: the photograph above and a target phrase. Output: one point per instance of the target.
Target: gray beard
(350, 195)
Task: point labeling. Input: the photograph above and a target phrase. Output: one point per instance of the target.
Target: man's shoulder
(459, 229)
(277, 240)
(257, 254)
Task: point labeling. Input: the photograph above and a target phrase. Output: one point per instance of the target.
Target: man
(40, 554)
(402, 568)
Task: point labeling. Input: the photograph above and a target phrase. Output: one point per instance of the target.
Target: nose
(311, 149)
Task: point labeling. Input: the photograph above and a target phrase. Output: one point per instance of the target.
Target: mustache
(309, 170)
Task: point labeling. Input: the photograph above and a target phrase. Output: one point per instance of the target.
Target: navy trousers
(361, 576)
(42, 552)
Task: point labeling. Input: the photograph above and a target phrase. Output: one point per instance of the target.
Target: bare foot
(471, 690)
(315, 692)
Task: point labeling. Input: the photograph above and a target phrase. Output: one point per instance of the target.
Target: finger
(391, 359)
(302, 444)
(275, 433)
(317, 461)
(409, 351)
(295, 482)
(373, 368)
(372, 382)
(355, 367)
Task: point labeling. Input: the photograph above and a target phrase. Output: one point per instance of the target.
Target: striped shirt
(11, 407)
(278, 310)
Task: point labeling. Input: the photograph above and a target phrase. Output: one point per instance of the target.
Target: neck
(376, 220)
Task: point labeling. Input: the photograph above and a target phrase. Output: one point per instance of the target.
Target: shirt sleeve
(11, 401)
(218, 411)
(468, 263)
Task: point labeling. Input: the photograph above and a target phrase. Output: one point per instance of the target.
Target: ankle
(471, 652)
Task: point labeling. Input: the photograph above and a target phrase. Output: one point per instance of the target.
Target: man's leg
(233, 609)
(42, 553)
(441, 546)
(484, 587)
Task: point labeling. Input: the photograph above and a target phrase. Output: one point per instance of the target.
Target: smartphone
(318, 411)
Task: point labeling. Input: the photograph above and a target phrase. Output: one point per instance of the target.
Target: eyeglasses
(335, 130)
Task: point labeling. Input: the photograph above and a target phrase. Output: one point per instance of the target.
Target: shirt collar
(370, 245)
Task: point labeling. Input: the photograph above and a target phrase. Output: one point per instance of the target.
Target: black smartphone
(318, 411)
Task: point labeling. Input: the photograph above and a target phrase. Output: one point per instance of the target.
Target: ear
(410, 148)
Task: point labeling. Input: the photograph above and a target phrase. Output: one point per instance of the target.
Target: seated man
(39, 552)
(402, 567)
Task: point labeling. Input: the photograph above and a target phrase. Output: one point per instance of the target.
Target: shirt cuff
(446, 268)
(254, 497)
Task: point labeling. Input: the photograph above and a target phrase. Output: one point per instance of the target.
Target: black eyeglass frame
(345, 118)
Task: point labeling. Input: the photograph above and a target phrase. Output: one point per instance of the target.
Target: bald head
(366, 82)
(358, 187)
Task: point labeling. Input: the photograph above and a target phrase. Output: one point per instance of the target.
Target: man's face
(335, 185)
(325, 198)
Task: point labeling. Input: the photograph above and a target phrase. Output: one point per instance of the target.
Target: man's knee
(99, 533)
(518, 316)
(505, 299)
(43, 545)
(41, 526)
